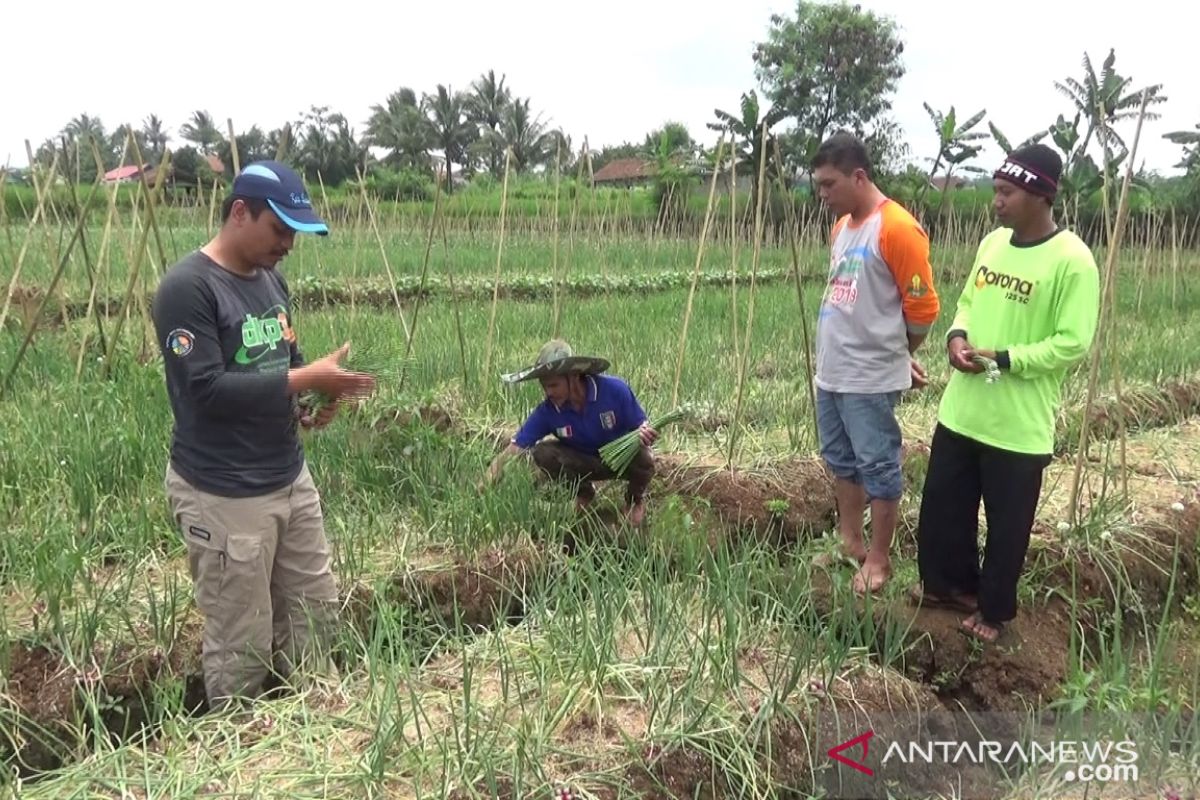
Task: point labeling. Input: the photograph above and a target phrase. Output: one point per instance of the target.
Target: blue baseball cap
(284, 192)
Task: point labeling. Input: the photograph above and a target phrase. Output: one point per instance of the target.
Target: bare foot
(987, 632)
(853, 548)
(830, 560)
(872, 576)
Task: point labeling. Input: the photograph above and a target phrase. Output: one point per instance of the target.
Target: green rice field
(492, 643)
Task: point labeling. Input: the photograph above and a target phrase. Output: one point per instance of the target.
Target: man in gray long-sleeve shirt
(238, 485)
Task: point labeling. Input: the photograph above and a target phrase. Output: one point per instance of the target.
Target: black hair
(845, 152)
(254, 205)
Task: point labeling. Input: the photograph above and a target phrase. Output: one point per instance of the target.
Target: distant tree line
(827, 67)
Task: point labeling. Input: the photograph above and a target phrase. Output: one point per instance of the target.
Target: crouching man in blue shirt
(584, 410)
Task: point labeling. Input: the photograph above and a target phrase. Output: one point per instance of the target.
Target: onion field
(494, 644)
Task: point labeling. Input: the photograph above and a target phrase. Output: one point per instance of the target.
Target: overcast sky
(610, 71)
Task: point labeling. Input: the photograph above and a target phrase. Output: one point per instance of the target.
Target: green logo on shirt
(262, 335)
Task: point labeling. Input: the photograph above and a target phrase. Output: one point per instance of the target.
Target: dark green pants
(567, 464)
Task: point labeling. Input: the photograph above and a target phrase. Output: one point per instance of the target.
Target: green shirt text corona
(1040, 303)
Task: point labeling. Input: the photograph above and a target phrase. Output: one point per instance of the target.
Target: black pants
(566, 464)
(961, 471)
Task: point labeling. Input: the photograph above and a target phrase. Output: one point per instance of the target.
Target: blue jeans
(860, 440)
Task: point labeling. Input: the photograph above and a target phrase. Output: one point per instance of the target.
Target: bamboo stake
(102, 259)
(62, 265)
(52, 248)
(571, 235)
(1109, 270)
(733, 239)
(687, 313)
(745, 356)
(1110, 331)
(160, 176)
(41, 192)
(160, 182)
(12, 256)
(1175, 262)
(382, 250)
(94, 276)
(487, 361)
(554, 257)
(354, 260)
(135, 270)
(790, 224)
(433, 223)
(233, 147)
(455, 302)
(212, 206)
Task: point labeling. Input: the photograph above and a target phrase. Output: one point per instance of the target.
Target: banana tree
(1082, 177)
(954, 149)
(746, 129)
(1003, 140)
(1190, 141)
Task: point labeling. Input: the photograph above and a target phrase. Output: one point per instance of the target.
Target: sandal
(975, 620)
(951, 602)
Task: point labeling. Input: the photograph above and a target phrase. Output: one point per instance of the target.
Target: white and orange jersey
(880, 288)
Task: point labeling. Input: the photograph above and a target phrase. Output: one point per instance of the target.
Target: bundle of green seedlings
(384, 359)
(620, 452)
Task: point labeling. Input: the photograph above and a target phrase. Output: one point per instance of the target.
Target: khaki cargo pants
(261, 572)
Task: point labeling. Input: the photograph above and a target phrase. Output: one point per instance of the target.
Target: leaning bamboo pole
(687, 313)
(790, 223)
(433, 224)
(487, 360)
(455, 301)
(733, 257)
(572, 230)
(233, 147)
(95, 277)
(744, 360)
(64, 257)
(1110, 268)
(362, 187)
(41, 192)
(554, 255)
(135, 269)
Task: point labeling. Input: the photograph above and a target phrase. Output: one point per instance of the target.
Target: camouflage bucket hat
(556, 358)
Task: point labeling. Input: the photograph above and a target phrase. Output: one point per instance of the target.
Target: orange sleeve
(905, 248)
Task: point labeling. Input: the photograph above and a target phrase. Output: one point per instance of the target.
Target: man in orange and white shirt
(879, 305)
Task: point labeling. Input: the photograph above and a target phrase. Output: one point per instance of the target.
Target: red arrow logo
(862, 739)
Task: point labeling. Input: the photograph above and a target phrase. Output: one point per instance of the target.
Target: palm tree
(399, 127)
(84, 126)
(452, 132)
(202, 131)
(525, 135)
(154, 133)
(117, 144)
(76, 160)
(488, 103)
(326, 147)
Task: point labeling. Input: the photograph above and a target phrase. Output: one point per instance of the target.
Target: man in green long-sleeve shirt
(1026, 315)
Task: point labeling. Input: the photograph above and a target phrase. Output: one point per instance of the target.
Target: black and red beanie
(1035, 168)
